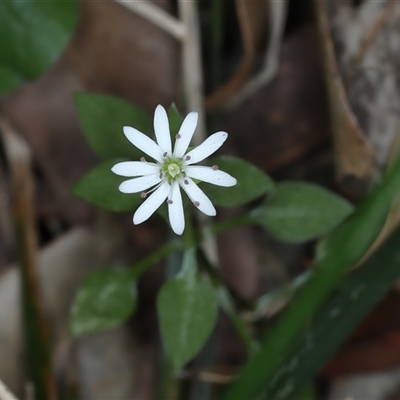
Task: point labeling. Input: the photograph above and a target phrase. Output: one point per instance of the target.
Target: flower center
(172, 169)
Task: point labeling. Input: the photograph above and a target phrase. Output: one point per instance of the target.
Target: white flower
(172, 169)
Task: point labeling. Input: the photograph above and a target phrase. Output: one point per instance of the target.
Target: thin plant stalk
(35, 323)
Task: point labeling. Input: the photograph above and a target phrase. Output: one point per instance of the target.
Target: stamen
(196, 204)
(142, 159)
(161, 175)
(178, 136)
(144, 194)
(165, 154)
(215, 167)
(186, 182)
(169, 201)
(187, 158)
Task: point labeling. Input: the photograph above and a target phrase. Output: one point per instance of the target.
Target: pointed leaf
(106, 299)
(251, 182)
(100, 187)
(187, 310)
(33, 34)
(297, 212)
(102, 119)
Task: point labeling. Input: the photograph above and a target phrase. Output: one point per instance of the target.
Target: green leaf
(175, 121)
(187, 309)
(251, 182)
(357, 294)
(348, 243)
(102, 119)
(100, 187)
(33, 35)
(106, 299)
(297, 212)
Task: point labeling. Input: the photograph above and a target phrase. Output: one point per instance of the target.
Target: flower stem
(164, 251)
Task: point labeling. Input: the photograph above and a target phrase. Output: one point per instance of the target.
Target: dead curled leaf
(360, 45)
(355, 158)
(253, 21)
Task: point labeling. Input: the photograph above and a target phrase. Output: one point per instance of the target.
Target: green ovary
(172, 169)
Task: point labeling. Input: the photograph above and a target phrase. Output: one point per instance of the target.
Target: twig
(194, 91)
(156, 15)
(22, 193)
(5, 393)
(192, 65)
(187, 31)
(277, 19)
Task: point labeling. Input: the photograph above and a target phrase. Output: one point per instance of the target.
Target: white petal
(186, 132)
(150, 205)
(137, 185)
(175, 210)
(209, 146)
(196, 195)
(208, 174)
(135, 168)
(144, 143)
(161, 129)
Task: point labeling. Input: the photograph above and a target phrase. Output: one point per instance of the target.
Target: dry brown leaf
(282, 122)
(253, 21)
(361, 46)
(44, 113)
(355, 158)
(374, 346)
(116, 51)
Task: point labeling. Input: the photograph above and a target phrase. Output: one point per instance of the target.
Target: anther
(215, 167)
(186, 182)
(165, 154)
(196, 203)
(169, 201)
(142, 159)
(161, 175)
(177, 136)
(187, 158)
(143, 195)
